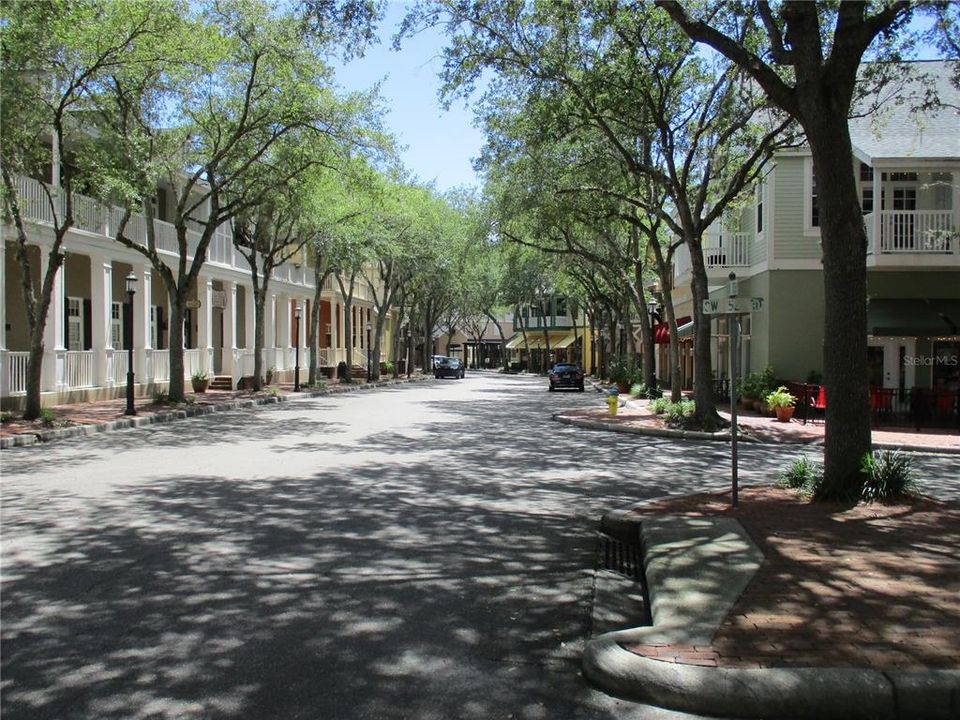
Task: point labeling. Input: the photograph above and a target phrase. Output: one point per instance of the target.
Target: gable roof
(900, 130)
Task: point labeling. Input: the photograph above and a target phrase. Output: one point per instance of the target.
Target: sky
(438, 145)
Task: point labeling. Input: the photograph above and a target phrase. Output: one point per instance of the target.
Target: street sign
(192, 304)
(732, 306)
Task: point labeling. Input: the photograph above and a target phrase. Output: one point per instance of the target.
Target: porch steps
(221, 382)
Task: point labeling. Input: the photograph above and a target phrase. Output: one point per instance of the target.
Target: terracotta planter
(200, 386)
(784, 414)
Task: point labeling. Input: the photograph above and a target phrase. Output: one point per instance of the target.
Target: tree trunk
(176, 391)
(706, 411)
(845, 298)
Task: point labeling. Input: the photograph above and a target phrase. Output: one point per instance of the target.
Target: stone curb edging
(815, 693)
(44, 436)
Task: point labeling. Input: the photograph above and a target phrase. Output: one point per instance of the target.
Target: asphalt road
(419, 552)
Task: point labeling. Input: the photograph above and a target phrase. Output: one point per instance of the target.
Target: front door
(887, 364)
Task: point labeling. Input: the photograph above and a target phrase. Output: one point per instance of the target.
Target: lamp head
(131, 282)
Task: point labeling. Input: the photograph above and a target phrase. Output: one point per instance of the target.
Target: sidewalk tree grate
(620, 557)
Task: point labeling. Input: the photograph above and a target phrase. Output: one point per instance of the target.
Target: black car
(566, 375)
(448, 367)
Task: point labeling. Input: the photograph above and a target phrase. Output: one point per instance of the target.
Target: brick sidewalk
(870, 586)
(766, 429)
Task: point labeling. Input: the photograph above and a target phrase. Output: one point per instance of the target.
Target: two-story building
(908, 170)
(85, 339)
(557, 332)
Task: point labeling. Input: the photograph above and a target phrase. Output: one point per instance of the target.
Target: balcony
(91, 216)
(912, 232)
(720, 252)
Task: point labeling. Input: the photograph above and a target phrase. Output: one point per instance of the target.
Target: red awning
(661, 331)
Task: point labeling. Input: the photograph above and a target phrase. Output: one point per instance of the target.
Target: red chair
(881, 402)
(819, 404)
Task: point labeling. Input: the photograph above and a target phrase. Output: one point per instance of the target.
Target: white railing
(243, 361)
(191, 362)
(119, 360)
(78, 369)
(160, 362)
(16, 369)
(914, 231)
(723, 250)
(92, 216)
(323, 357)
(360, 358)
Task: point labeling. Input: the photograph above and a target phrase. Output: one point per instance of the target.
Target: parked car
(434, 359)
(566, 375)
(448, 367)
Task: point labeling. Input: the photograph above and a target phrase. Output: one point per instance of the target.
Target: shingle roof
(900, 130)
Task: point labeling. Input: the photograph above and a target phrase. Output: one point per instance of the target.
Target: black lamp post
(652, 310)
(131, 290)
(296, 361)
(369, 354)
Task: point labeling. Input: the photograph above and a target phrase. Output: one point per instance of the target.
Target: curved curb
(45, 436)
(725, 437)
(816, 693)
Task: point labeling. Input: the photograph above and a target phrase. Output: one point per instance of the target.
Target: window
(866, 199)
(116, 329)
(74, 323)
(866, 173)
(901, 177)
(760, 189)
(561, 306)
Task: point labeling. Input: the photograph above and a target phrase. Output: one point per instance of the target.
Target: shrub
(660, 405)
(802, 475)
(6, 416)
(681, 413)
(387, 367)
(780, 397)
(161, 397)
(887, 475)
(639, 389)
(47, 417)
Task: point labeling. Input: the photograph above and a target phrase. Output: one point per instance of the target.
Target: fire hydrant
(613, 401)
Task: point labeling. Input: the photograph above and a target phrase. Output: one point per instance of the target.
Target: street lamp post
(296, 361)
(369, 354)
(131, 290)
(652, 310)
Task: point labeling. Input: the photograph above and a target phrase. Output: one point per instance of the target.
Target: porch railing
(720, 250)
(15, 367)
(91, 215)
(78, 369)
(160, 360)
(914, 231)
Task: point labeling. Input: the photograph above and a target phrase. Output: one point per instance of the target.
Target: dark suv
(566, 375)
(448, 367)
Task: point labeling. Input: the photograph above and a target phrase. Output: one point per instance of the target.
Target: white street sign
(732, 306)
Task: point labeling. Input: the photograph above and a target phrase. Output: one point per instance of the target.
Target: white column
(229, 326)
(205, 321)
(955, 182)
(53, 339)
(248, 324)
(143, 324)
(334, 335)
(270, 331)
(877, 205)
(101, 298)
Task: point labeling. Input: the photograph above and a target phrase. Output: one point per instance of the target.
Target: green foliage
(780, 397)
(680, 414)
(47, 417)
(660, 405)
(6, 416)
(802, 475)
(639, 389)
(160, 397)
(887, 475)
(388, 367)
(198, 377)
(757, 385)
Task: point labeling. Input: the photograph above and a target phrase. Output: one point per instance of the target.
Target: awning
(685, 330)
(913, 317)
(558, 340)
(661, 331)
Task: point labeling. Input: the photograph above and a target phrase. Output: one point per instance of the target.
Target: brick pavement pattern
(872, 586)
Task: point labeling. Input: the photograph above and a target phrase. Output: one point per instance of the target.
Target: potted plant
(200, 382)
(271, 373)
(782, 403)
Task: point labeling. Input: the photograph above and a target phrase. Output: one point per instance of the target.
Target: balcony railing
(723, 250)
(92, 216)
(914, 231)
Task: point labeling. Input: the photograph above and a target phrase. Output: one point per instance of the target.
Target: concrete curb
(45, 436)
(723, 436)
(814, 693)
(688, 565)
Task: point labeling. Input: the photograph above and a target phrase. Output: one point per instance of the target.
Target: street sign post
(733, 307)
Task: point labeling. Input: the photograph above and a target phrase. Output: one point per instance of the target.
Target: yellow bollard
(612, 402)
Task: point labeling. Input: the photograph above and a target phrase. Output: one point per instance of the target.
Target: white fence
(914, 231)
(720, 250)
(14, 366)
